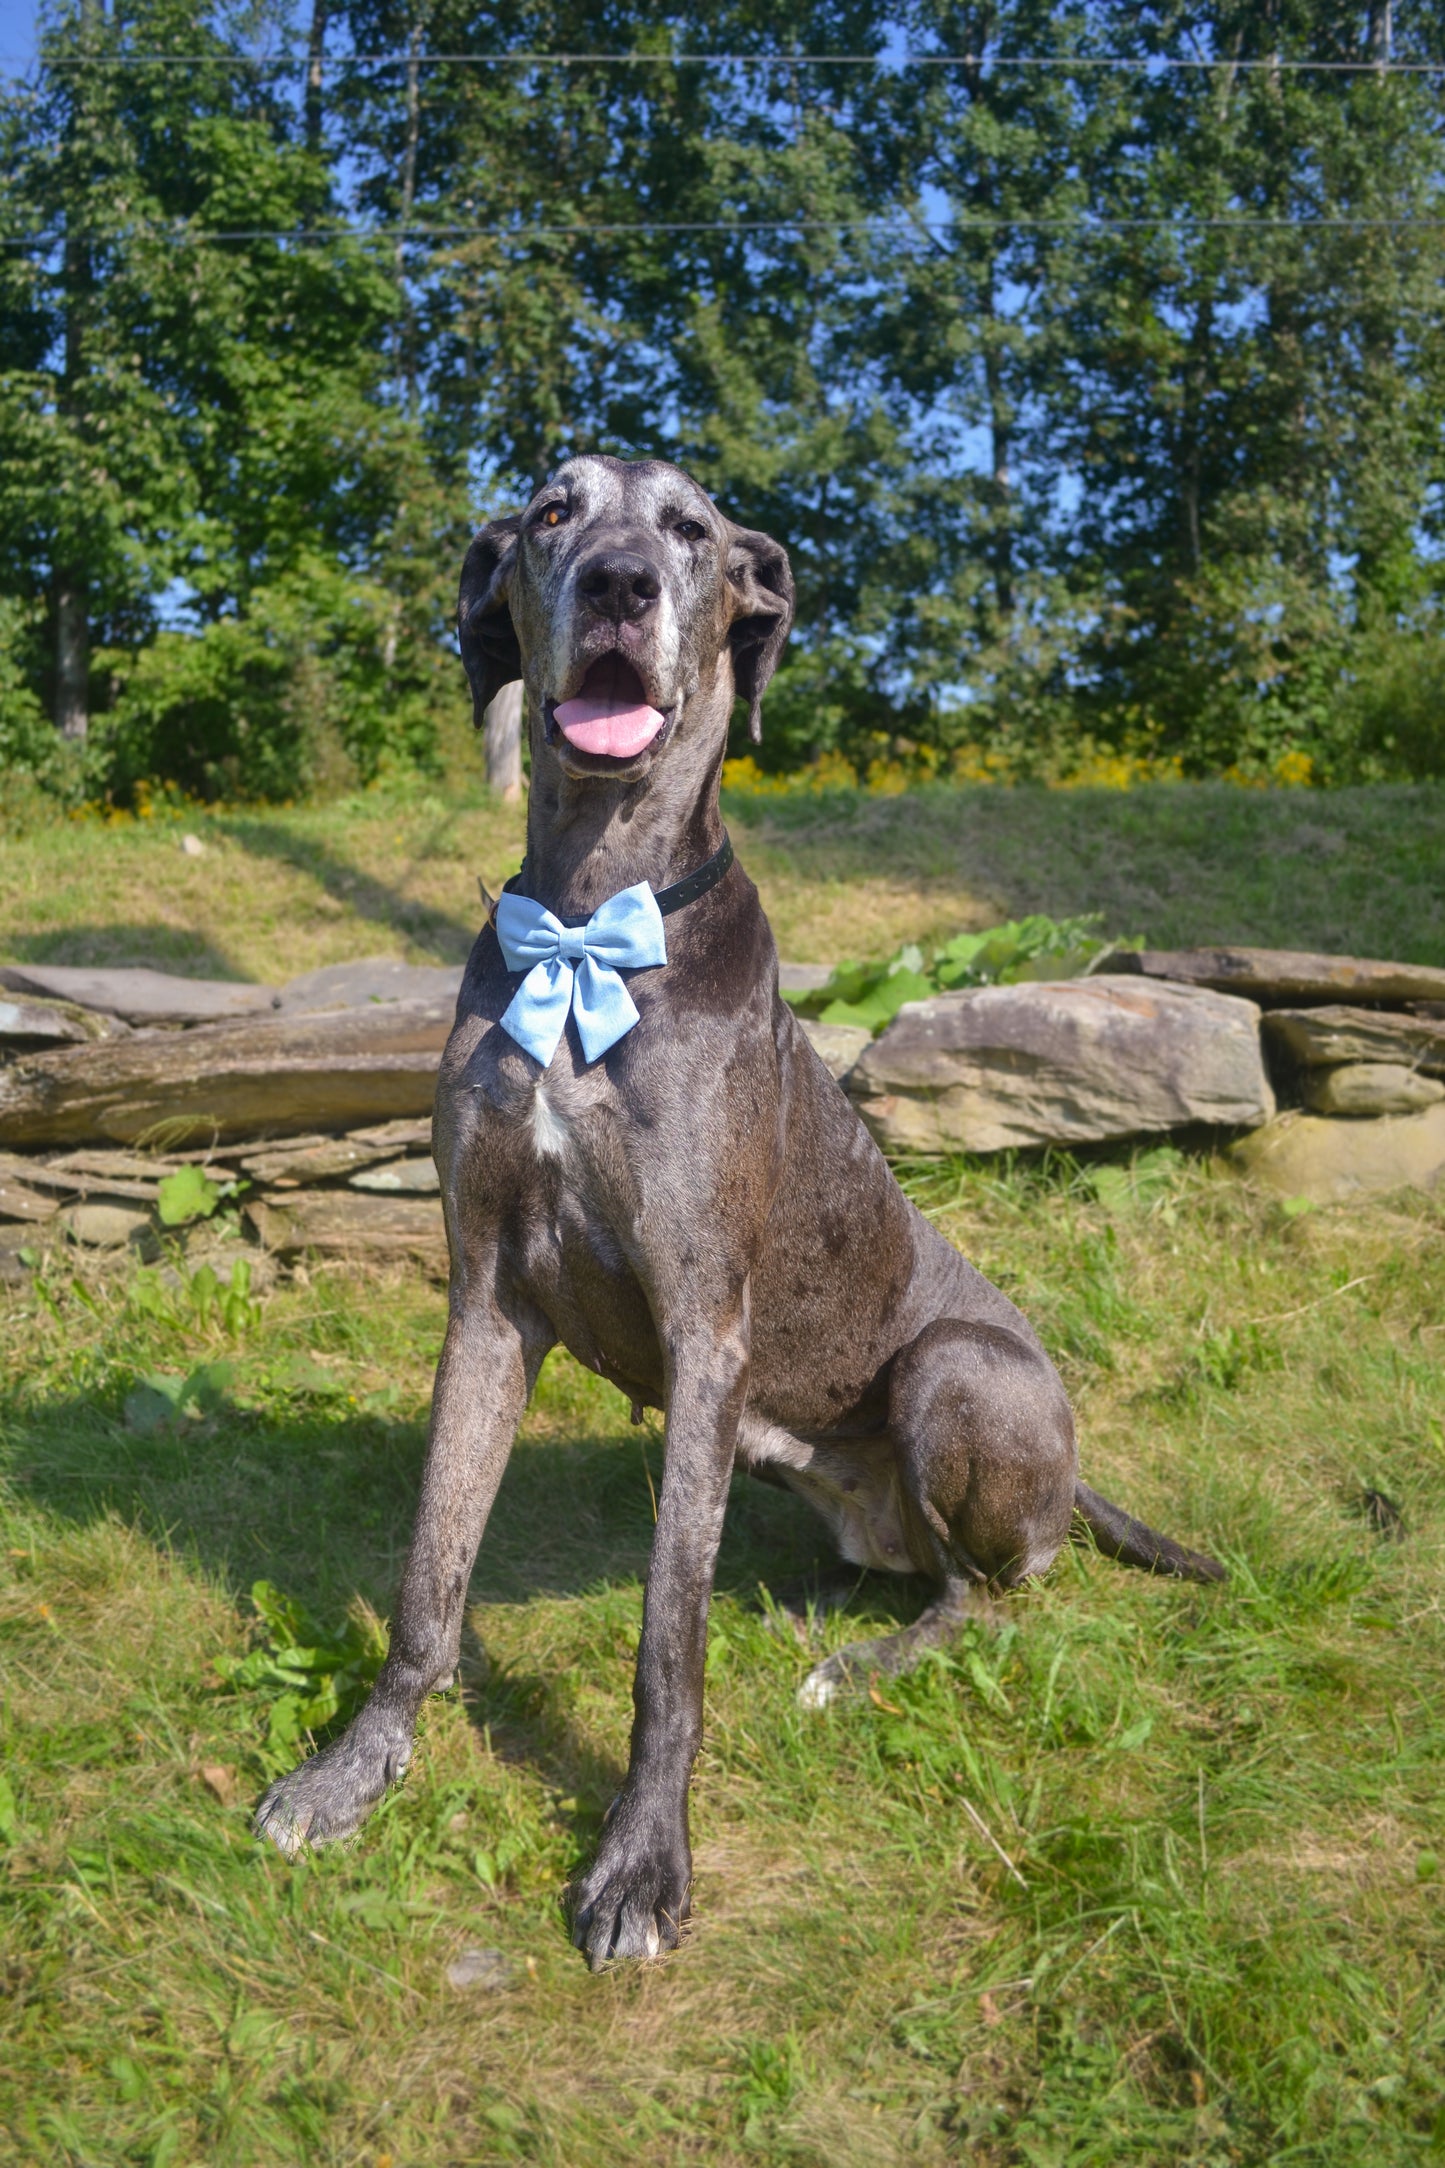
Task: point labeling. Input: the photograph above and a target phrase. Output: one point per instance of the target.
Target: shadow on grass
(154, 947)
(320, 1501)
(359, 893)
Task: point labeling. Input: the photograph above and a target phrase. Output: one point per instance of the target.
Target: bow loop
(574, 969)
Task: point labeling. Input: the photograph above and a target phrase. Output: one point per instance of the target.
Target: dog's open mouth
(610, 715)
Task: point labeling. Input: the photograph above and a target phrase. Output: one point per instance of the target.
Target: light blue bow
(575, 968)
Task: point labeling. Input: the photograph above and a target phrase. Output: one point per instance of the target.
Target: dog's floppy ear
(485, 632)
(762, 583)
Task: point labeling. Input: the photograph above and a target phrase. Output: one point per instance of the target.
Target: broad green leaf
(188, 1194)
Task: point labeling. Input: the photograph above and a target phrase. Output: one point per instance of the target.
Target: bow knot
(574, 969)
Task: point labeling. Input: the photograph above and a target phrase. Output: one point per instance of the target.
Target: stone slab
(28, 1023)
(18, 1201)
(274, 1077)
(370, 979)
(1362, 1088)
(106, 1226)
(1059, 1062)
(838, 1044)
(414, 1177)
(396, 1136)
(1322, 1038)
(138, 995)
(803, 978)
(348, 1223)
(1296, 975)
(311, 1159)
(1330, 1162)
(64, 1180)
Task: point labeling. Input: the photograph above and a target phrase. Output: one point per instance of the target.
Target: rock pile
(1352, 1051)
(314, 1098)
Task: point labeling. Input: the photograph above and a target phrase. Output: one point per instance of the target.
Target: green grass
(1219, 1936)
(1223, 1938)
(283, 890)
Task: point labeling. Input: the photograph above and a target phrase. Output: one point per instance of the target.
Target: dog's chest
(553, 1127)
(571, 1150)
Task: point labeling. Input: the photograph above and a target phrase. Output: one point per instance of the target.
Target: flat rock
(1061, 1062)
(27, 1023)
(803, 978)
(1329, 1162)
(100, 1165)
(273, 1077)
(1281, 974)
(373, 978)
(347, 1223)
(838, 1044)
(105, 1226)
(311, 1159)
(417, 1177)
(300, 1160)
(67, 1180)
(1370, 1087)
(1323, 1038)
(396, 1136)
(18, 1201)
(138, 995)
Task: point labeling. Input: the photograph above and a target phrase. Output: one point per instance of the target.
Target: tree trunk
(407, 329)
(72, 617)
(70, 588)
(1000, 424)
(503, 742)
(315, 55)
(1197, 378)
(72, 656)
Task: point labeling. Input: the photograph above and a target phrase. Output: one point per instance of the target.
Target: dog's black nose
(617, 584)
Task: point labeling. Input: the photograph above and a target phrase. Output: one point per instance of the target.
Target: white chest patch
(551, 1131)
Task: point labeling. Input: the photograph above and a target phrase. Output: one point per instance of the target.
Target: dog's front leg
(488, 1366)
(635, 1899)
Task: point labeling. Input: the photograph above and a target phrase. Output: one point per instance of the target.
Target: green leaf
(188, 1194)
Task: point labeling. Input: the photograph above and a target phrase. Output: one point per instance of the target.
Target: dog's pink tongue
(603, 726)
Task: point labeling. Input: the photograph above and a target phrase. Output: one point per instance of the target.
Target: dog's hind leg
(888, 1654)
(488, 1366)
(984, 1446)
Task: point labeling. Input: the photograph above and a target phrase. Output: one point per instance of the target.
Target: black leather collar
(677, 895)
(693, 885)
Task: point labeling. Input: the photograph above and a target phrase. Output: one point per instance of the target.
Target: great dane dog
(697, 1213)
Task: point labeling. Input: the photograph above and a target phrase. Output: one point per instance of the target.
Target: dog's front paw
(635, 1899)
(331, 1795)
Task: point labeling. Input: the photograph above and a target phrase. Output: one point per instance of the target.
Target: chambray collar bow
(574, 970)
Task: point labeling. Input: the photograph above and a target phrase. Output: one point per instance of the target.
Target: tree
(193, 431)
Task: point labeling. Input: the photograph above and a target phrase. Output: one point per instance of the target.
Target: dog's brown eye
(691, 530)
(552, 517)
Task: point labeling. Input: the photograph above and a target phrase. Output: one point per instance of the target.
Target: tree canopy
(1087, 358)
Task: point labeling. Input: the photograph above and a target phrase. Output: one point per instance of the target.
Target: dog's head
(629, 605)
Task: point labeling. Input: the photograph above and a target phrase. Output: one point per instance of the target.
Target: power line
(326, 236)
(990, 62)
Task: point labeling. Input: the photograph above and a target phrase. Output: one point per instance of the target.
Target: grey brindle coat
(700, 1216)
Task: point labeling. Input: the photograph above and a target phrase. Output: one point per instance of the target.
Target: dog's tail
(1118, 1535)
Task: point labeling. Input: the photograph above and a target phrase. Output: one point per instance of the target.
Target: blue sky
(17, 30)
